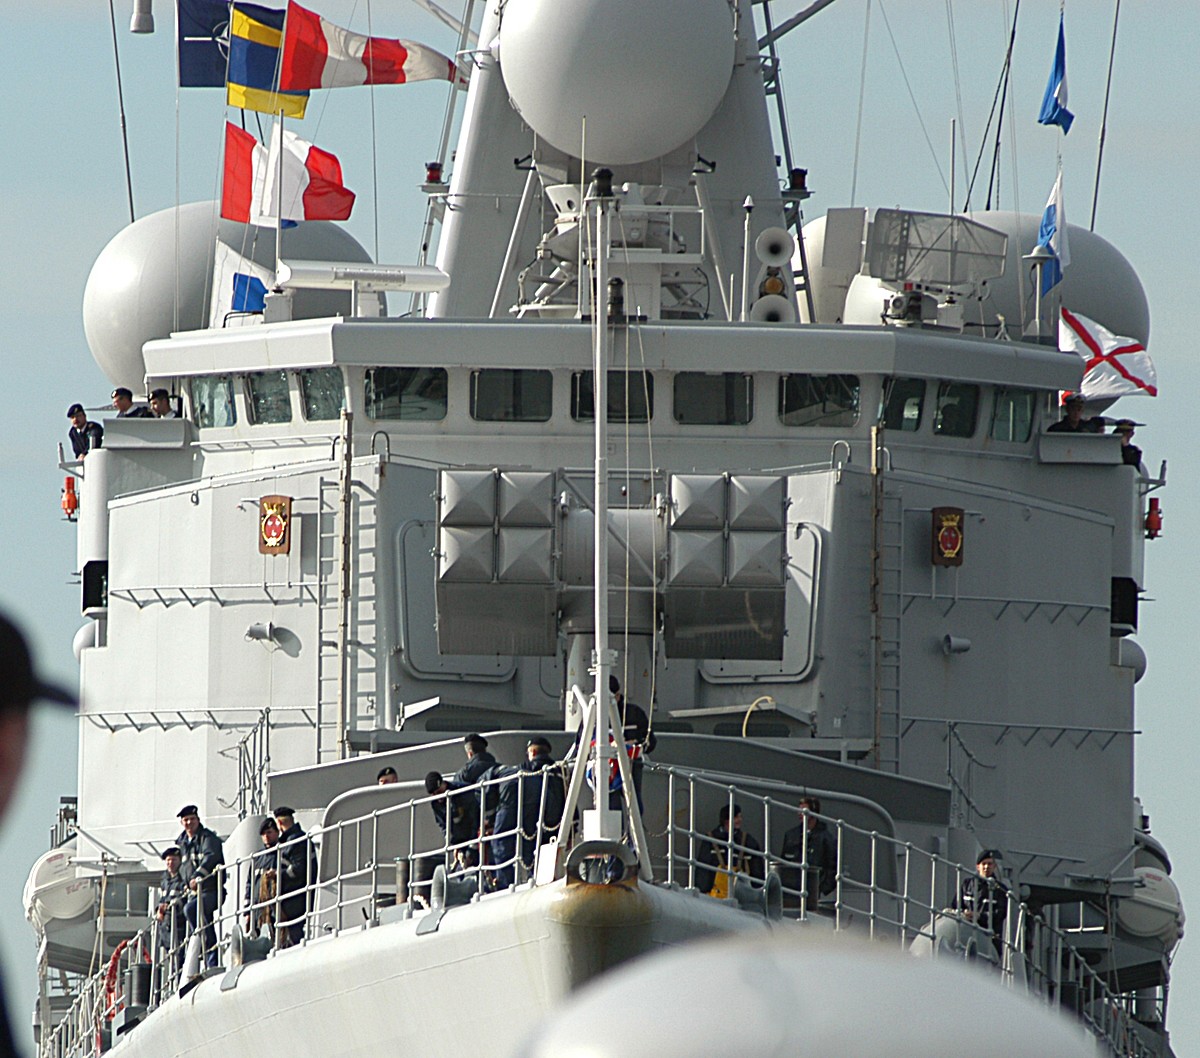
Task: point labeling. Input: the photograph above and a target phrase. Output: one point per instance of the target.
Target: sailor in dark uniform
(544, 794)
(983, 896)
(203, 854)
(84, 434)
(172, 895)
(1073, 420)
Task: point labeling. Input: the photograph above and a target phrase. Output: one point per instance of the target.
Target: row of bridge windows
(525, 395)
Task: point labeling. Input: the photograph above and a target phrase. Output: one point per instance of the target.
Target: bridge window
(268, 401)
(322, 393)
(714, 398)
(957, 409)
(818, 400)
(408, 393)
(212, 400)
(903, 402)
(1012, 416)
(501, 394)
(630, 396)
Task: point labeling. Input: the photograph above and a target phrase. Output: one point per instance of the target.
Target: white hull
(503, 962)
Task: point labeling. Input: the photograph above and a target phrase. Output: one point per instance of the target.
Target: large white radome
(646, 74)
(130, 297)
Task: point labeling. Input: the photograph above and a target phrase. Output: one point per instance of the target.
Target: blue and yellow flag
(255, 45)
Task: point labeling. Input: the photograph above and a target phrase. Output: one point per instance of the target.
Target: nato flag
(203, 28)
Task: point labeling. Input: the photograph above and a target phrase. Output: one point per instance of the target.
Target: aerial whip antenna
(112, 16)
(1104, 119)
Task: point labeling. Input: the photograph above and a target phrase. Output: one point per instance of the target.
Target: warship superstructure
(841, 556)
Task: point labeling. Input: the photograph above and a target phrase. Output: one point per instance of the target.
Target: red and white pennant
(1113, 366)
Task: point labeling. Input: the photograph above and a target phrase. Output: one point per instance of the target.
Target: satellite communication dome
(130, 297)
(645, 74)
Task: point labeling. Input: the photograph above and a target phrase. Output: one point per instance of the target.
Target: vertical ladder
(887, 608)
(346, 617)
(329, 669)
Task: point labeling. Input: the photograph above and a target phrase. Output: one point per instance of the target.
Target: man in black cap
(1073, 420)
(84, 434)
(543, 795)
(983, 897)
(261, 882)
(478, 761)
(462, 826)
(160, 405)
(122, 400)
(1131, 455)
(387, 776)
(732, 851)
(19, 689)
(203, 855)
(172, 895)
(297, 874)
(810, 843)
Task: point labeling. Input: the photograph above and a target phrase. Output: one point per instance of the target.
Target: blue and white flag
(237, 282)
(1052, 234)
(1054, 102)
(249, 293)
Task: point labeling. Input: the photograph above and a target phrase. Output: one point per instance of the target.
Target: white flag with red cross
(1112, 366)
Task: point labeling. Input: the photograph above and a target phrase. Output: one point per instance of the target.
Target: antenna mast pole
(601, 822)
(1112, 51)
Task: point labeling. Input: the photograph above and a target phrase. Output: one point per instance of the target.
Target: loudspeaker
(774, 247)
(773, 308)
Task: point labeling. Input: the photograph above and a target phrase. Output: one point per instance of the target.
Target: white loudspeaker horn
(773, 308)
(774, 247)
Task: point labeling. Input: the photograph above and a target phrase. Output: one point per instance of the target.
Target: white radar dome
(645, 74)
(130, 294)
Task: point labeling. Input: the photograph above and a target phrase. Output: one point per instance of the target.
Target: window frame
(729, 398)
(820, 422)
(618, 376)
(520, 376)
(308, 372)
(196, 405)
(372, 403)
(252, 400)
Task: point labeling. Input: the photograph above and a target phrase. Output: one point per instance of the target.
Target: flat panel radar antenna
(933, 248)
(647, 75)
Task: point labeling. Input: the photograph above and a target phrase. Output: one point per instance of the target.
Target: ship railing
(885, 887)
(108, 1002)
(852, 875)
(372, 863)
(379, 866)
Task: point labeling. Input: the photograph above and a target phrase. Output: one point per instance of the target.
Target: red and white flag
(318, 54)
(312, 187)
(1113, 366)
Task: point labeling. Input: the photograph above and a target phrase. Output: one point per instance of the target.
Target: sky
(63, 196)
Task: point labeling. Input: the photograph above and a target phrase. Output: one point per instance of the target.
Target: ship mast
(601, 822)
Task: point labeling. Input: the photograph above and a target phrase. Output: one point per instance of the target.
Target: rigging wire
(916, 108)
(374, 151)
(962, 122)
(112, 16)
(1112, 51)
(997, 112)
(1012, 161)
(862, 91)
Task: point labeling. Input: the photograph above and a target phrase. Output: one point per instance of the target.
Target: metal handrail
(879, 883)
